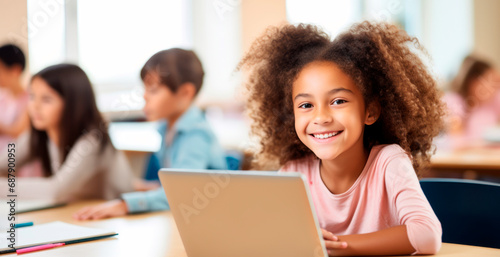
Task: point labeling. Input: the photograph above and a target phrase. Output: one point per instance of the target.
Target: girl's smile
(325, 136)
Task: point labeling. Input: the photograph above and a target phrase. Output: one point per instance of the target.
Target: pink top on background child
(11, 108)
(387, 193)
(476, 120)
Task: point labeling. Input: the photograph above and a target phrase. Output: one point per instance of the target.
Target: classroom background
(111, 39)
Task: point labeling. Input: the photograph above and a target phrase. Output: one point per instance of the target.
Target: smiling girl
(356, 116)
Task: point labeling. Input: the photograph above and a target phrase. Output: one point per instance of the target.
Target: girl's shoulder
(382, 154)
(387, 149)
(391, 161)
(304, 165)
(91, 143)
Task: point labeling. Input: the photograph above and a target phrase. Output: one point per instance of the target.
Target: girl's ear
(372, 112)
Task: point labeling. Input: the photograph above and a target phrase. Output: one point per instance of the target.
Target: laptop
(243, 213)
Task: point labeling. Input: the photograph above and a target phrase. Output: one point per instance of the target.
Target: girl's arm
(391, 241)
(411, 206)
(81, 164)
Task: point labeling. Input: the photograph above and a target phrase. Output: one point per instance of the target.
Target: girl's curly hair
(377, 56)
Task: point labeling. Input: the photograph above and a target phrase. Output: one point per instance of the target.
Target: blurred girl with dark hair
(69, 136)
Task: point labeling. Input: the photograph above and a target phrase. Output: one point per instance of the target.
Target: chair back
(469, 210)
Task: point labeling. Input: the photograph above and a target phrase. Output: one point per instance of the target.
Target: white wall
(217, 41)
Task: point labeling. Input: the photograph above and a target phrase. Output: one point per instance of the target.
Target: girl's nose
(322, 116)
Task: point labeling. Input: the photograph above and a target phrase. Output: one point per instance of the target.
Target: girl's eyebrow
(331, 92)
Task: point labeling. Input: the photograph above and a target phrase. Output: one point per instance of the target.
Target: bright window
(115, 37)
(111, 40)
(333, 16)
(46, 36)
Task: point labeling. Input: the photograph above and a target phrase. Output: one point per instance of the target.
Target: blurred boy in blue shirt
(172, 79)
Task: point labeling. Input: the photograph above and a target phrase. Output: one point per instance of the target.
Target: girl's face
(329, 110)
(45, 105)
(485, 87)
(161, 102)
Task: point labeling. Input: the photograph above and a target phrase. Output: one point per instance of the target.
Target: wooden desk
(155, 234)
(481, 160)
(151, 234)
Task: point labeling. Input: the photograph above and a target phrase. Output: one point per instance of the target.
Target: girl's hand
(332, 242)
(106, 210)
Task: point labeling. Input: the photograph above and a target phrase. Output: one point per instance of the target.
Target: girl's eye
(305, 106)
(339, 101)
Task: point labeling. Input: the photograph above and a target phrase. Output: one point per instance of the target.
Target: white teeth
(323, 136)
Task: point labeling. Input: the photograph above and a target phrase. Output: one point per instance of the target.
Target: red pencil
(37, 248)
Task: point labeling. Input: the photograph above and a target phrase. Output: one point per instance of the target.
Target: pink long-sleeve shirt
(387, 193)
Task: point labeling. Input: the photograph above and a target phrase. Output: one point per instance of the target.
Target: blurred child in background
(172, 79)
(69, 136)
(474, 101)
(14, 118)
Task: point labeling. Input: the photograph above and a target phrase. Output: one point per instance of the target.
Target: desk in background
(139, 139)
(232, 131)
(470, 163)
(155, 235)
